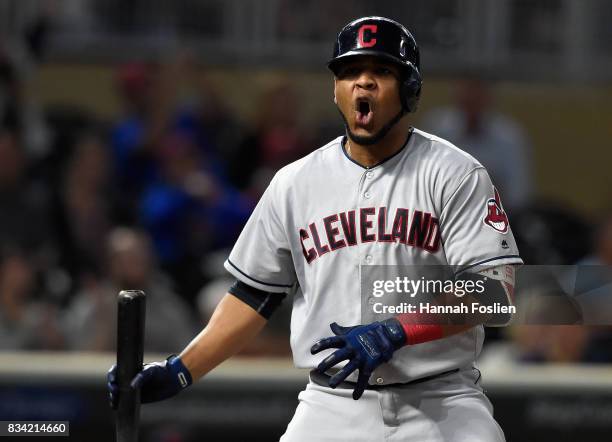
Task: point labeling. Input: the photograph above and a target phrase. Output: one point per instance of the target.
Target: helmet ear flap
(410, 90)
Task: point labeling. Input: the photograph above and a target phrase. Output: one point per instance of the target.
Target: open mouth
(363, 111)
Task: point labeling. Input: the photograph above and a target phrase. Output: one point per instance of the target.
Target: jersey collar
(343, 145)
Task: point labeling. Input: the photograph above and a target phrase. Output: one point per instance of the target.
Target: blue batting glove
(113, 387)
(364, 346)
(157, 381)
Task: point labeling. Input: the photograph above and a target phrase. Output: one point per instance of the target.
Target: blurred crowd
(154, 199)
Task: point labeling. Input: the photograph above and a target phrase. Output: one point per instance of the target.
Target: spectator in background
(87, 205)
(589, 287)
(593, 292)
(190, 211)
(493, 139)
(24, 211)
(27, 322)
(278, 139)
(214, 129)
(150, 97)
(554, 343)
(90, 321)
(146, 110)
(168, 162)
(19, 113)
(550, 233)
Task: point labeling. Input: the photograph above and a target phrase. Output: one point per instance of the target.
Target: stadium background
(137, 135)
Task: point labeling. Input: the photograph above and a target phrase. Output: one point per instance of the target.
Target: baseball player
(385, 193)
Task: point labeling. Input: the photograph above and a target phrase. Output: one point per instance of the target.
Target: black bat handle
(130, 347)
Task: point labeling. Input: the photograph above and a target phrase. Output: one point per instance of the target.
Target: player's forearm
(420, 328)
(231, 327)
(418, 333)
(498, 284)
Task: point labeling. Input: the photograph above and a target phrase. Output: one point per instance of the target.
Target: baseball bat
(130, 348)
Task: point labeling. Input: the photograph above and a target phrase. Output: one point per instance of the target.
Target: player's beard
(371, 139)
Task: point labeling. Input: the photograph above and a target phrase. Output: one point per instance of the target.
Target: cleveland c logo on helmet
(495, 216)
(366, 40)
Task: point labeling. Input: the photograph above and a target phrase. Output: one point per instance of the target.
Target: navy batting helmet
(389, 40)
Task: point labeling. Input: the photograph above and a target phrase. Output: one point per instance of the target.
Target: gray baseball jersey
(324, 216)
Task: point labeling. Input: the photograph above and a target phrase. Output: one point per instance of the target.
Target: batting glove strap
(395, 332)
(161, 380)
(176, 367)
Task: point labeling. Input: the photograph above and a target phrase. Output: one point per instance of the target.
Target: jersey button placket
(364, 250)
(368, 175)
(366, 183)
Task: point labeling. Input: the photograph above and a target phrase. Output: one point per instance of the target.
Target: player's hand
(364, 346)
(157, 381)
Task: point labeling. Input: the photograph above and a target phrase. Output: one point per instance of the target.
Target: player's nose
(366, 80)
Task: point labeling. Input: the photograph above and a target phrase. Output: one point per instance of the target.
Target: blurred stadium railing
(521, 39)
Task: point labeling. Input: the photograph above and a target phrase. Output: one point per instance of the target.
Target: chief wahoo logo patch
(495, 217)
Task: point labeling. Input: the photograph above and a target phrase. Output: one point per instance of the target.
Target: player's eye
(349, 71)
(384, 71)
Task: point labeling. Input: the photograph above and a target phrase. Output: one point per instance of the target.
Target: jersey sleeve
(261, 257)
(474, 226)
